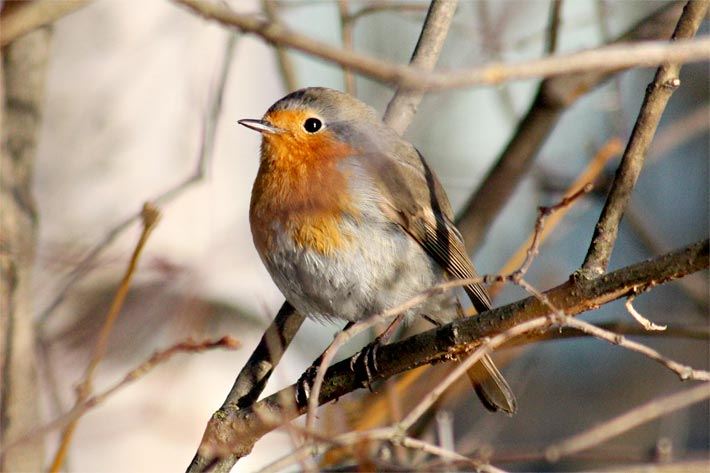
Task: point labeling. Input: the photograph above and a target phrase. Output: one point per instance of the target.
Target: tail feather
(491, 387)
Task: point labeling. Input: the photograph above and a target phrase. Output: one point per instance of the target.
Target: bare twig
(347, 26)
(618, 425)
(23, 66)
(596, 166)
(187, 346)
(387, 6)
(236, 432)
(684, 372)
(691, 332)
(288, 72)
(486, 348)
(209, 132)
(352, 439)
(657, 95)
(150, 216)
(401, 109)
(19, 18)
(554, 96)
(553, 28)
(645, 323)
(606, 58)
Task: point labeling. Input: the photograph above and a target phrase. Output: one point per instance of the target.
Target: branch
(150, 216)
(23, 66)
(607, 58)
(209, 132)
(657, 95)
(187, 346)
(553, 97)
(640, 415)
(288, 72)
(20, 18)
(236, 432)
(253, 377)
(347, 26)
(401, 109)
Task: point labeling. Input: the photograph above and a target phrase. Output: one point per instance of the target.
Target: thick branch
(600, 59)
(22, 76)
(401, 109)
(657, 95)
(19, 18)
(554, 96)
(253, 377)
(235, 432)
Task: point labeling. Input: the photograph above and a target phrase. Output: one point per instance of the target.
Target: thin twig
(387, 6)
(484, 349)
(187, 346)
(684, 372)
(553, 27)
(150, 216)
(657, 95)
(354, 438)
(401, 109)
(209, 132)
(618, 425)
(286, 68)
(610, 149)
(605, 58)
(645, 323)
(347, 26)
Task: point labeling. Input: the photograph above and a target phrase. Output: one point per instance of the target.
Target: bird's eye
(312, 125)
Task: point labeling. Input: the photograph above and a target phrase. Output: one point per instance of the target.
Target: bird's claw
(305, 383)
(364, 364)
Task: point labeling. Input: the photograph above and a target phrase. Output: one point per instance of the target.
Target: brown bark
(23, 74)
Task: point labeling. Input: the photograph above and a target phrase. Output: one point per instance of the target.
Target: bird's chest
(300, 207)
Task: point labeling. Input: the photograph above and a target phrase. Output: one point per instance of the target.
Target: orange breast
(300, 188)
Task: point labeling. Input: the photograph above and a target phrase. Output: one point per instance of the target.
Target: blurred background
(128, 94)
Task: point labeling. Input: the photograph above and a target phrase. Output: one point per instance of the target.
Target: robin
(350, 221)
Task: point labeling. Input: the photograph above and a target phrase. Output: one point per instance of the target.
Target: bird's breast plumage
(330, 248)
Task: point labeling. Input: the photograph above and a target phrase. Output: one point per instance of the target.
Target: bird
(349, 220)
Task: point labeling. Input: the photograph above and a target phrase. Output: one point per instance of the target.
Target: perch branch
(234, 433)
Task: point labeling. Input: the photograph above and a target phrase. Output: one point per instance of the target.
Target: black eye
(312, 125)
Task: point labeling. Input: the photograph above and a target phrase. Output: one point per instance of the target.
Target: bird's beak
(259, 125)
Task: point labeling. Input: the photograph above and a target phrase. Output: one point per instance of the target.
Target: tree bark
(21, 90)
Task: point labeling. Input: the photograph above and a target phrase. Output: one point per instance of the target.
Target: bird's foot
(364, 364)
(305, 383)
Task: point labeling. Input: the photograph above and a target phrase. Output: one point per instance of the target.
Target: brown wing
(416, 200)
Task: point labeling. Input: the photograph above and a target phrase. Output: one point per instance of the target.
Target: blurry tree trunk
(21, 91)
